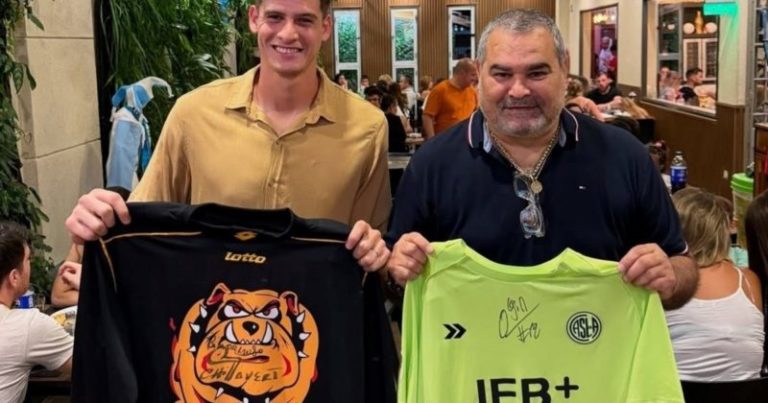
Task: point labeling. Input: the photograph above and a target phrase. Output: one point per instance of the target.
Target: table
(44, 383)
(398, 160)
(412, 142)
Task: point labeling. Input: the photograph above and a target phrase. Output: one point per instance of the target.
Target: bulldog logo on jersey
(245, 346)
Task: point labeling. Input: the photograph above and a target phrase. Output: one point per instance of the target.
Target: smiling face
(522, 84)
(290, 33)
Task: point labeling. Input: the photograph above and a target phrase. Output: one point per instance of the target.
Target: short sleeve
(433, 102)
(49, 344)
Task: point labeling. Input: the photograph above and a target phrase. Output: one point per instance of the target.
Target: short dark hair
(13, 237)
(606, 74)
(325, 5)
(692, 71)
(371, 91)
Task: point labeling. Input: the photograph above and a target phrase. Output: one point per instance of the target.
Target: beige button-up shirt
(217, 147)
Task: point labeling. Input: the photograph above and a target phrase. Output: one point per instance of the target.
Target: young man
(268, 139)
(523, 179)
(605, 94)
(27, 337)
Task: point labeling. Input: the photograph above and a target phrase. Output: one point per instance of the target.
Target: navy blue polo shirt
(602, 195)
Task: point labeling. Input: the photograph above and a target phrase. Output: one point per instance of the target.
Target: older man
(261, 139)
(523, 179)
(452, 100)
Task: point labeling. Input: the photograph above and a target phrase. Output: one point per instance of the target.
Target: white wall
(60, 150)
(732, 60)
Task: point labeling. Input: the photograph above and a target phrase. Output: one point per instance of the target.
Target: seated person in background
(658, 150)
(718, 335)
(27, 337)
(605, 94)
(401, 101)
(669, 88)
(736, 253)
(396, 129)
(373, 95)
(575, 101)
(66, 285)
(694, 92)
(341, 81)
(633, 109)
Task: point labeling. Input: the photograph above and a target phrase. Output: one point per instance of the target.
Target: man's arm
(66, 368)
(372, 204)
(687, 282)
(674, 278)
(427, 127)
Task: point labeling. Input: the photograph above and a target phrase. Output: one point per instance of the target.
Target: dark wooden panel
(433, 31)
(488, 10)
(347, 3)
(375, 42)
(710, 145)
(401, 3)
(433, 39)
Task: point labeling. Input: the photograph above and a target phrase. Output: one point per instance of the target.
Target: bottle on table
(678, 172)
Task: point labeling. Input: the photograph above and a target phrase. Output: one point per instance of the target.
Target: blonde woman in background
(386, 78)
(717, 336)
(575, 101)
(635, 110)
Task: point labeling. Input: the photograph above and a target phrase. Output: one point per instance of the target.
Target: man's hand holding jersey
(95, 214)
(645, 266)
(409, 255)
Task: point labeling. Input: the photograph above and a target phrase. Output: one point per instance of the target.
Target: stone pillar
(60, 149)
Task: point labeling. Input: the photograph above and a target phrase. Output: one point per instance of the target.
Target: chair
(750, 391)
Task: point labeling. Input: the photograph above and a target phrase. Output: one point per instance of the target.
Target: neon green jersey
(568, 330)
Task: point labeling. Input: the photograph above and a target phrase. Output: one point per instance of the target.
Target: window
(461, 34)
(405, 44)
(346, 44)
(682, 54)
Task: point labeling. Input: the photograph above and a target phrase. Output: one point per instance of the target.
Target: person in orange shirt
(452, 100)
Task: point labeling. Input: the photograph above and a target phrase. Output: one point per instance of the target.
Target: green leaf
(35, 21)
(18, 77)
(30, 78)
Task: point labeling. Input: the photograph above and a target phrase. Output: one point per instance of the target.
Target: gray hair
(523, 21)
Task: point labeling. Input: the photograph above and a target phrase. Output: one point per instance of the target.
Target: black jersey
(211, 303)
